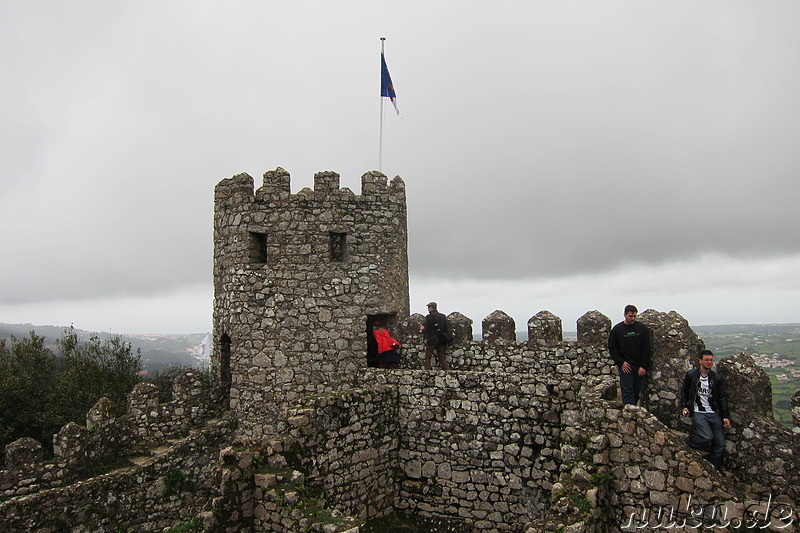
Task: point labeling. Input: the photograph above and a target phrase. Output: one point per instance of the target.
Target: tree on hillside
(27, 372)
(93, 369)
(41, 391)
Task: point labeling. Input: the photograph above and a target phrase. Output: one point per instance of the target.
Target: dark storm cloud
(643, 147)
(538, 140)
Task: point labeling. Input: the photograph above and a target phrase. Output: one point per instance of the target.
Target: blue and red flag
(387, 87)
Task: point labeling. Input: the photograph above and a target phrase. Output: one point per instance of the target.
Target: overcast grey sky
(581, 155)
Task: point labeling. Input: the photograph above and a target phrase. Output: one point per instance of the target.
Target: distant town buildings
(776, 361)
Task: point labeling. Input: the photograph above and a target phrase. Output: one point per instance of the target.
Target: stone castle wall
(479, 447)
(536, 437)
(498, 349)
(144, 471)
(347, 445)
(104, 439)
(495, 451)
(166, 490)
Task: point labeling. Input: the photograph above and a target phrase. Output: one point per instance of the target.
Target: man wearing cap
(436, 335)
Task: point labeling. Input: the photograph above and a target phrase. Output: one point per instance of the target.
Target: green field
(780, 342)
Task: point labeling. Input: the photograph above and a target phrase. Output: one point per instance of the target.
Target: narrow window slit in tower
(258, 247)
(338, 241)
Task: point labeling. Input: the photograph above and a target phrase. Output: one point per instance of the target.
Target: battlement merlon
(374, 183)
(234, 191)
(276, 187)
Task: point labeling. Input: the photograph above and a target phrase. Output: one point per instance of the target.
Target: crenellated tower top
(276, 188)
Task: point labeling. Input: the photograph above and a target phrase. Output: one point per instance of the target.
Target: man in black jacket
(703, 396)
(629, 346)
(436, 336)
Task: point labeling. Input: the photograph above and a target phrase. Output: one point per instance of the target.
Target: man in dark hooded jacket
(437, 336)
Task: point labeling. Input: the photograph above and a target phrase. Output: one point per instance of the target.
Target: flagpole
(380, 136)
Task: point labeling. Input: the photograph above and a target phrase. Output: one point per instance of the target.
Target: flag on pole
(387, 87)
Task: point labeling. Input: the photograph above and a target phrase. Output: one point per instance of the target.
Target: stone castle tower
(298, 280)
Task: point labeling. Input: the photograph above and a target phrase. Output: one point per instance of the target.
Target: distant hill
(733, 329)
(158, 351)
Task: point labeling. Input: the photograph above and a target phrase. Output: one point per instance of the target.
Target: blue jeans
(630, 385)
(708, 430)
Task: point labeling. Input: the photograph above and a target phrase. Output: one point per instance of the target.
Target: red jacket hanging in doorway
(385, 341)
